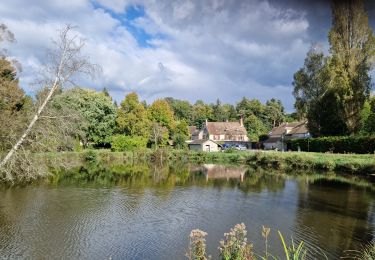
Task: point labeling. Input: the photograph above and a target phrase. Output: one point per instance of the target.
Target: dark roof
(272, 140)
(192, 129)
(228, 128)
(201, 141)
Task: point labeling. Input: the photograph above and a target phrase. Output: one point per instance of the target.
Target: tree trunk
(30, 126)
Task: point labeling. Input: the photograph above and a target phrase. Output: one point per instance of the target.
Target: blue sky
(187, 49)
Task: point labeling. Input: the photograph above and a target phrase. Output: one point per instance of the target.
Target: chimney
(206, 121)
(241, 121)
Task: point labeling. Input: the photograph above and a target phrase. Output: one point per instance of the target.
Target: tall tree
(132, 117)
(311, 90)
(64, 62)
(160, 112)
(274, 112)
(352, 49)
(201, 113)
(96, 110)
(182, 109)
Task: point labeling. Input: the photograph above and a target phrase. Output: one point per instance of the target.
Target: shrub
(121, 143)
(336, 144)
(90, 156)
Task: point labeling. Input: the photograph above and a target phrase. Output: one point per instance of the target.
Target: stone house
(225, 131)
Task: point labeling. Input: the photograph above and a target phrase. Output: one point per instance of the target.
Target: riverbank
(358, 164)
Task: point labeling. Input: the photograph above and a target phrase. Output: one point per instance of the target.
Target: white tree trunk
(30, 126)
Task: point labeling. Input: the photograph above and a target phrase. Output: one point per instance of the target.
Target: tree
(182, 109)
(352, 49)
(96, 110)
(315, 100)
(14, 104)
(201, 113)
(274, 112)
(132, 118)
(159, 134)
(368, 117)
(64, 62)
(180, 134)
(255, 127)
(160, 112)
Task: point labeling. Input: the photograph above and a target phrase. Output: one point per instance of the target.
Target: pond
(148, 211)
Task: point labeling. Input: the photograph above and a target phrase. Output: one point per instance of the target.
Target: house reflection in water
(214, 171)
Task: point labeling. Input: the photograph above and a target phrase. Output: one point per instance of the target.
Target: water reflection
(142, 211)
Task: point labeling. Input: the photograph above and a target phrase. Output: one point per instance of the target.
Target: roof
(295, 126)
(228, 128)
(201, 141)
(192, 129)
(300, 129)
(272, 140)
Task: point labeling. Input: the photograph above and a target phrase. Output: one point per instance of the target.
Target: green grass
(359, 164)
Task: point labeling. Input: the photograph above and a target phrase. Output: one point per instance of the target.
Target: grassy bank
(288, 161)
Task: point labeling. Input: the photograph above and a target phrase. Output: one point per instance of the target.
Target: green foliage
(159, 135)
(132, 117)
(201, 112)
(336, 144)
(368, 117)
(90, 156)
(160, 112)
(14, 105)
(294, 251)
(331, 91)
(121, 143)
(255, 127)
(97, 111)
(182, 109)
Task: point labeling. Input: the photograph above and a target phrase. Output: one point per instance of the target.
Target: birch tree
(64, 62)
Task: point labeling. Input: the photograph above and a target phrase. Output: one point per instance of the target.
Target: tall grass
(235, 246)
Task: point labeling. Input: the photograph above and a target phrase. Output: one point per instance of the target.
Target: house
(278, 137)
(234, 132)
(204, 146)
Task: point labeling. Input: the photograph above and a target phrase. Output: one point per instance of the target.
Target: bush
(336, 144)
(90, 156)
(121, 143)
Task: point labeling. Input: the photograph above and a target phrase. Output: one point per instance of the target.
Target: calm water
(141, 212)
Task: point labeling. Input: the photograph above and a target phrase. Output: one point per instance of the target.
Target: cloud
(186, 49)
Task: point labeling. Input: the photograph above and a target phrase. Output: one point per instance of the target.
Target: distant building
(278, 137)
(204, 146)
(225, 131)
(233, 133)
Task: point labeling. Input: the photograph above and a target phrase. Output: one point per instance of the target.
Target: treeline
(333, 92)
(82, 117)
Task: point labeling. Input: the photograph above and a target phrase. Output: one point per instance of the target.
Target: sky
(187, 49)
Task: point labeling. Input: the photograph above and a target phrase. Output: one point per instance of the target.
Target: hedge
(335, 144)
(121, 143)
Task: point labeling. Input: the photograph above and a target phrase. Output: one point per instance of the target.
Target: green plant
(90, 156)
(294, 251)
(197, 247)
(235, 246)
(121, 143)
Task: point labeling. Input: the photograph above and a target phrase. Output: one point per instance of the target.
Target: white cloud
(208, 49)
